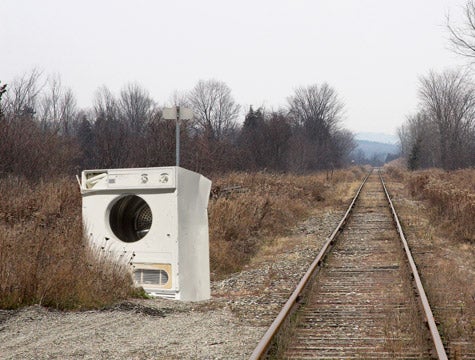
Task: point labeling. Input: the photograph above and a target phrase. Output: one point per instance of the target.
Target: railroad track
(367, 301)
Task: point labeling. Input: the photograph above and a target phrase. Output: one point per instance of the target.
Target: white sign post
(177, 113)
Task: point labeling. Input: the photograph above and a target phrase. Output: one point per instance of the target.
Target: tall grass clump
(44, 257)
(451, 196)
(395, 170)
(247, 208)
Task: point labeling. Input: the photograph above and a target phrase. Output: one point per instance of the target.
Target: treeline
(442, 133)
(43, 132)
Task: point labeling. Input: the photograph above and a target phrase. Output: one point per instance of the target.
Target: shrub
(44, 257)
(396, 172)
(452, 197)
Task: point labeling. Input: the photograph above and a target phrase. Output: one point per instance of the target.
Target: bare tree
(110, 133)
(418, 138)
(462, 37)
(26, 148)
(22, 96)
(179, 98)
(136, 107)
(214, 109)
(160, 142)
(343, 144)
(105, 104)
(57, 107)
(122, 127)
(448, 99)
(442, 133)
(317, 111)
(3, 90)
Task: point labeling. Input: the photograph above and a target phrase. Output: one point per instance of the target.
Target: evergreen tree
(415, 155)
(253, 140)
(85, 138)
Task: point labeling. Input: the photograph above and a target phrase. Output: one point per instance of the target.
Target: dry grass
(438, 239)
(396, 170)
(451, 196)
(44, 258)
(247, 209)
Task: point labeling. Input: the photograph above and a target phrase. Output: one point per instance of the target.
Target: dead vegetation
(451, 196)
(437, 212)
(45, 259)
(248, 209)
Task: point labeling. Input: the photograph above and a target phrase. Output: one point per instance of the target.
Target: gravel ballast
(228, 326)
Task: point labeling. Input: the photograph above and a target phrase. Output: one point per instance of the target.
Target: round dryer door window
(130, 218)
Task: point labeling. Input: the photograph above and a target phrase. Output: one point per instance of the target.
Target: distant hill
(377, 137)
(373, 152)
(371, 148)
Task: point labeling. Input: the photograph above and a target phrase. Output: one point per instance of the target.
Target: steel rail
(264, 344)
(439, 346)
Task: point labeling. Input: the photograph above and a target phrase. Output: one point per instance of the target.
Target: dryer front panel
(143, 222)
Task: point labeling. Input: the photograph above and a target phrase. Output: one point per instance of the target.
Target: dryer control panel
(138, 178)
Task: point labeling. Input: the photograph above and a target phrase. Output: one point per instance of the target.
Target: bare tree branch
(215, 111)
(462, 38)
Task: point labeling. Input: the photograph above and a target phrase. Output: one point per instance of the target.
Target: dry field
(248, 210)
(437, 210)
(44, 258)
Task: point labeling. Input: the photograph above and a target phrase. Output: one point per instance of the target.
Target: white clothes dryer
(160, 216)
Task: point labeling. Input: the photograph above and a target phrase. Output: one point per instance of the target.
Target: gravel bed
(226, 327)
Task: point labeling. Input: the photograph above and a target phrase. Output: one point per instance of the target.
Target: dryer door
(130, 218)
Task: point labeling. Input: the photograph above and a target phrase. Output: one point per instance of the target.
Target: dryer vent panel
(153, 277)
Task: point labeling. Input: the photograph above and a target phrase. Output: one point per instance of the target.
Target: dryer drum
(130, 218)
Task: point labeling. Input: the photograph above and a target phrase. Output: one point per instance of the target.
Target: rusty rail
(294, 300)
(264, 344)
(439, 346)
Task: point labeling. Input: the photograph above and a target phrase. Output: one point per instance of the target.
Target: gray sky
(371, 51)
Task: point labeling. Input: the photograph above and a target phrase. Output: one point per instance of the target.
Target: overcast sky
(372, 52)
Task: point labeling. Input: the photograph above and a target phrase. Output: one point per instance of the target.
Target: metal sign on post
(177, 113)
